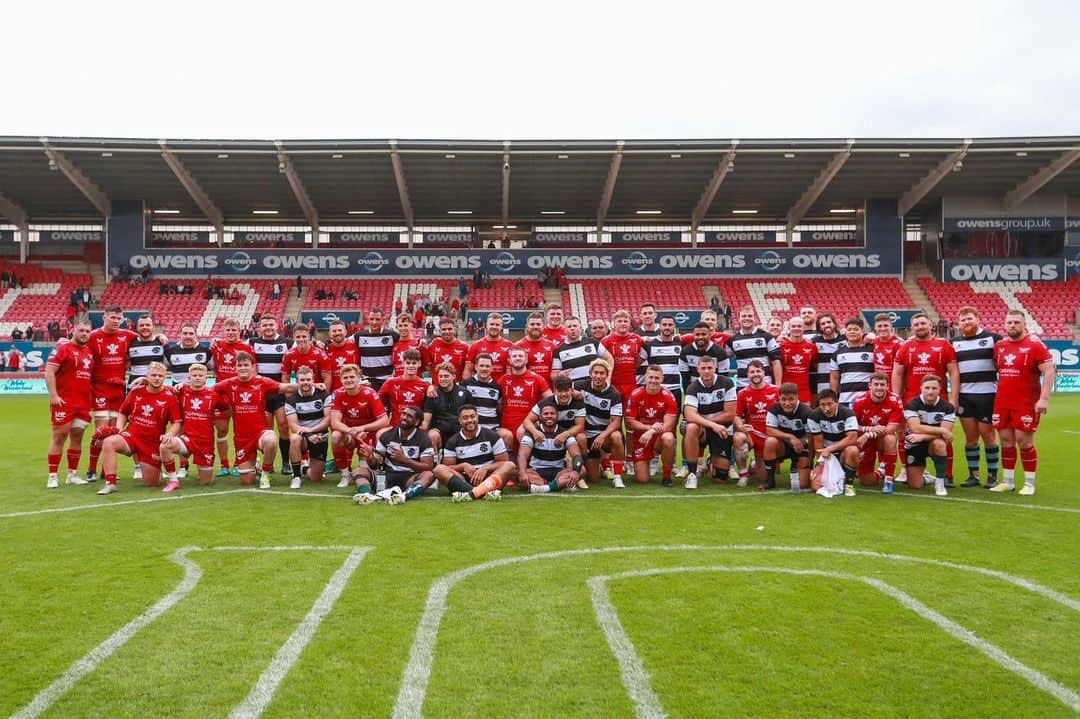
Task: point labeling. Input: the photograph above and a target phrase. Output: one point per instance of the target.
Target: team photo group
(397, 415)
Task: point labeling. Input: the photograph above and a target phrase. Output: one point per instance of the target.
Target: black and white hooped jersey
(487, 398)
(574, 358)
(757, 345)
(854, 365)
(480, 451)
(549, 454)
(568, 413)
(377, 354)
(141, 353)
(667, 355)
(834, 428)
(794, 423)
(180, 359)
(600, 407)
(416, 446)
(692, 354)
(309, 409)
(826, 348)
(975, 360)
(269, 354)
(930, 415)
(709, 401)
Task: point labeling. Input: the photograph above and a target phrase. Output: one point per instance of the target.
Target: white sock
(939, 483)
(1008, 476)
(1030, 481)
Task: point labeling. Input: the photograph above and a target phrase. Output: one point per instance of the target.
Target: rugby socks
(341, 457)
(617, 467)
(110, 478)
(553, 486)
(267, 468)
(491, 483)
(770, 471)
(901, 454)
(1008, 465)
(948, 460)
(283, 450)
(457, 483)
(415, 490)
(941, 464)
(54, 463)
(1029, 459)
(95, 452)
(993, 453)
(170, 469)
(223, 452)
(971, 453)
(690, 466)
(666, 472)
(889, 462)
(295, 469)
(74, 454)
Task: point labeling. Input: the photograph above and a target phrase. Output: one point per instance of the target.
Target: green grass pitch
(605, 603)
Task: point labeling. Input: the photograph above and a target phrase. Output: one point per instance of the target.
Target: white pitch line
(263, 691)
(647, 704)
(269, 680)
(989, 502)
(124, 502)
(90, 662)
(417, 675)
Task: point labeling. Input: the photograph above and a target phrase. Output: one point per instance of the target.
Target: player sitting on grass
(475, 462)
(929, 430)
(406, 455)
(357, 414)
(198, 407)
(149, 415)
(570, 418)
(542, 460)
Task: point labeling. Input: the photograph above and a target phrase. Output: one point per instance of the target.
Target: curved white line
(63, 684)
(417, 674)
(646, 702)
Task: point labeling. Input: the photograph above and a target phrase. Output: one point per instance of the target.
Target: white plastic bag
(831, 475)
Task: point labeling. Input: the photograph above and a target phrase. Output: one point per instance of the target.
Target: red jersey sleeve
(125, 406)
(1041, 353)
(378, 407)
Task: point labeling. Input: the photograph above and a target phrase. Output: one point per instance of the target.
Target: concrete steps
(911, 284)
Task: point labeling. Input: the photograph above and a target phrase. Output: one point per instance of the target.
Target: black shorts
(979, 406)
(790, 453)
(547, 473)
(446, 430)
(317, 450)
(916, 453)
(274, 402)
(399, 479)
(719, 448)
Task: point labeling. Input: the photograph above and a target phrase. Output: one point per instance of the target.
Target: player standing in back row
(1023, 362)
(974, 348)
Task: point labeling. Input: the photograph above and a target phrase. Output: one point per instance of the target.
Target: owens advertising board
(253, 262)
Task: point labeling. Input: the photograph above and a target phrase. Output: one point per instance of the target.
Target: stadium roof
(426, 182)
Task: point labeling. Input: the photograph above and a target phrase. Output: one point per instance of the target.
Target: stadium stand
(170, 311)
(43, 297)
(602, 297)
(373, 293)
(504, 295)
(1051, 306)
(843, 297)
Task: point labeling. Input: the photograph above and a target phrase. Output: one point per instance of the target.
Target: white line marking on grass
(121, 503)
(271, 677)
(993, 503)
(417, 675)
(647, 704)
(90, 662)
(263, 691)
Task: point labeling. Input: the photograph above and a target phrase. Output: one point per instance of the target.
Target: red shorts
(643, 453)
(107, 398)
(247, 448)
(65, 413)
(624, 390)
(147, 451)
(1026, 420)
(868, 462)
(200, 451)
(759, 444)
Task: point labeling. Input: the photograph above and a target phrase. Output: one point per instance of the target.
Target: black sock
(283, 450)
(457, 483)
(770, 470)
(849, 474)
(295, 469)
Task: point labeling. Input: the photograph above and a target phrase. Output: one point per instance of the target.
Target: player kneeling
(307, 413)
(786, 426)
(406, 455)
(879, 413)
(149, 416)
(834, 432)
(199, 405)
(929, 432)
(475, 463)
(650, 415)
(542, 461)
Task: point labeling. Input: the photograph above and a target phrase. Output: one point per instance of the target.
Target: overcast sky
(554, 69)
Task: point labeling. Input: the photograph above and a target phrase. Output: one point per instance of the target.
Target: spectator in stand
(455, 308)
(15, 360)
(470, 329)
(86, 297)
(54, 331)
(16, 334)
(276, 293)
(943, 328)
(430, 327)
(398, 306)
(418, 318)
(463, 288)
(311, 327)
(3, 356)
(29, 333)
(299, 285)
